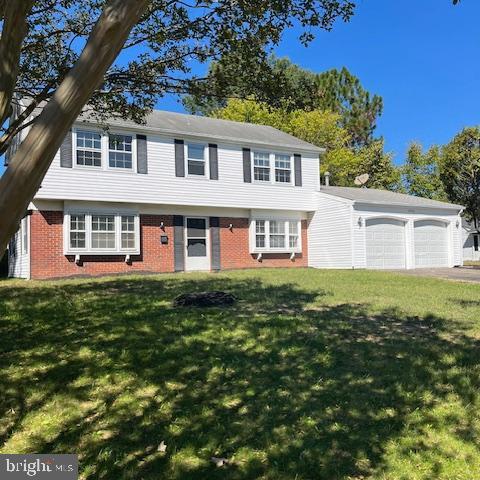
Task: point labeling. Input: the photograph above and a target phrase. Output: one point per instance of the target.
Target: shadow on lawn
(287, 389)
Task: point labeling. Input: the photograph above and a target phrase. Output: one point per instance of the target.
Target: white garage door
(431, 244)
(385, 242)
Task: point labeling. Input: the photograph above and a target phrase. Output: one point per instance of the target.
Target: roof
(205, 127)
(469, 226)
(384, 197)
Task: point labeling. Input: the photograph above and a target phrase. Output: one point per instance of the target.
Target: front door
(196, 246)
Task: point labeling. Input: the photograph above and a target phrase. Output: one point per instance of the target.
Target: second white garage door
(385, 243)
(431, 244)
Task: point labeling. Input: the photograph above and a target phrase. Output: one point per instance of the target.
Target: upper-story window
(283, 169)
(272, 168)
(120, 151)
(89, 148)
(261, 166)
(196, 159)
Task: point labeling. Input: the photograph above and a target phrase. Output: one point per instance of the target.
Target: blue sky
(421, 56)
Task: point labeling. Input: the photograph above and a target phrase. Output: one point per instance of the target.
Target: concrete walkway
(462, 274)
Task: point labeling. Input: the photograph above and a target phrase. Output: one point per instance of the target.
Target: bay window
(102, 233)
(276, 235)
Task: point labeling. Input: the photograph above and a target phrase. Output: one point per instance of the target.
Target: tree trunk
(27, 168)
(13, 33)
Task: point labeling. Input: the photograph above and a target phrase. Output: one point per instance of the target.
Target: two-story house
(183, 193)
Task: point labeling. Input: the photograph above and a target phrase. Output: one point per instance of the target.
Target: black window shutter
(247, 166)
(66, 151)
(213, 160)
(142, 159)
(298, 169)
(179, 158)
(178, 243)
(215, 240)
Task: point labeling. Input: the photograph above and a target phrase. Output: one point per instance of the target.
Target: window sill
(256, 251)
(112, 253)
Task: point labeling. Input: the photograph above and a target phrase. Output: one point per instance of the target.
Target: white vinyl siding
(330, 235)
(162, 186)
(101, 233)
(19, 251)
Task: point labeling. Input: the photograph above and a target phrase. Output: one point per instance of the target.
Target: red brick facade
(49, 261)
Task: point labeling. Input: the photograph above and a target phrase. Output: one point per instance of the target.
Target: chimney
(327, 179)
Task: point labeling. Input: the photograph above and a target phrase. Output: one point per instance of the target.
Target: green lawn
(313, 375)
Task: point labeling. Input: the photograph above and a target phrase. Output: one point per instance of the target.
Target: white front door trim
(197, 262)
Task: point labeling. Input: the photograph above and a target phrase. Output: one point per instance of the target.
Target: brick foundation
(49, 261)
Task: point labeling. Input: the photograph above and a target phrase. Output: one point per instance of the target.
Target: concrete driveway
(462, 274)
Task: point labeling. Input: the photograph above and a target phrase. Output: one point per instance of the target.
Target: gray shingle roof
(384, 197)
(215, 129)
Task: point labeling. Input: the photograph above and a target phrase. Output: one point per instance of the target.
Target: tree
(460, 171)
(324, 129)
(67, 53)
(421, 173)
(282, 84)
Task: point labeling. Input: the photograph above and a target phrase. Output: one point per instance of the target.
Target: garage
(376, 229)
(431, 244)
(385, 243)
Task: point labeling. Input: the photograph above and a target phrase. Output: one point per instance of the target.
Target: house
(471, 241)
(183, 193)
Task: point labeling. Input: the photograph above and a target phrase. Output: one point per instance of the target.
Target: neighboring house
(184, 193)
(471, 242)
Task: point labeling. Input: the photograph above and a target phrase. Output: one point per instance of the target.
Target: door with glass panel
(197, 250)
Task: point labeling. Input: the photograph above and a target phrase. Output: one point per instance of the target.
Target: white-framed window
(102, 233)
(272, 168)
(120, 151)
(24, 232)
(261, 167)
(88, 148)
(78, 233)
(128, 232)
(260, 241)
(283, 168)
(195, 157)
(276, 235)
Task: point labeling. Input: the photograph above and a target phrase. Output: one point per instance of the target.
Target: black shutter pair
(247, 167)
(180, 159)
(66, 153)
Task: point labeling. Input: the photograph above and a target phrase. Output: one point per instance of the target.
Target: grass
(313, 375)
(472, 263)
